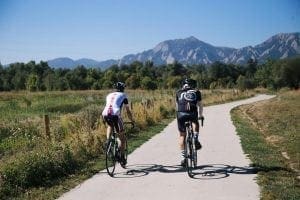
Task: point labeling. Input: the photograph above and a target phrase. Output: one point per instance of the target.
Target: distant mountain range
(193, 51)
(65, 62)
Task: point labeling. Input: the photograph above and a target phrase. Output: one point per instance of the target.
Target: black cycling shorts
(183, 117)
(114, 121)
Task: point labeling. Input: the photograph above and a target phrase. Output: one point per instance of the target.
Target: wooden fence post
(47, 126)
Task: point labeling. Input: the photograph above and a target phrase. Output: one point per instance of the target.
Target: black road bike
(190, 149)
(113, 152)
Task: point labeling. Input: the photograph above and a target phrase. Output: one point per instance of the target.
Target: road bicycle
(190, 149)
(113, 151)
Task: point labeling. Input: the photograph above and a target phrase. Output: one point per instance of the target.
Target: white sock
(183, 154)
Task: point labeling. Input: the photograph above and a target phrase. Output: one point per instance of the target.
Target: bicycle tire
(110, 156)
(189, 156)
(194, 154)
(125, 153)
(126, 144)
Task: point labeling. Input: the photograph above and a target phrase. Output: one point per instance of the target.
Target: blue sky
(103, 29)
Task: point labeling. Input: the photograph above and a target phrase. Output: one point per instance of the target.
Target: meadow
(270, 135)
(32, 161)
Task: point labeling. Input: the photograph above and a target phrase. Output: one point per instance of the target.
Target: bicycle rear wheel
(194, 154)
(189, 156)
(110, 157)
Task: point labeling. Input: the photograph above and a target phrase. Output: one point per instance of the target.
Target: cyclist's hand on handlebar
(202, 119)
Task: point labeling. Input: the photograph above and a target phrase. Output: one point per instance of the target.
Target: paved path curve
(154, 172)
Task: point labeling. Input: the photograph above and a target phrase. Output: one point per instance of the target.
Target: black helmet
(120, 86)
(189, 83)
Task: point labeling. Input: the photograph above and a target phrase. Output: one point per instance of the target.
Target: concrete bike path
(153, 170)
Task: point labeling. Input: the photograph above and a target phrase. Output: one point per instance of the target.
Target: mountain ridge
(191, 50)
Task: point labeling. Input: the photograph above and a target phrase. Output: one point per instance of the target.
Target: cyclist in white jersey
(112, 114)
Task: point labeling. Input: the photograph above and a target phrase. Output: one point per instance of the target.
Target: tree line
(33, 76)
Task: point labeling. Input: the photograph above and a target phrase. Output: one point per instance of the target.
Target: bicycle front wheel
(126, 149)
(110, 157)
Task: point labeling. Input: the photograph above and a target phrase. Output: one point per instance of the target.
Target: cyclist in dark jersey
(112, 114)
(189, 107)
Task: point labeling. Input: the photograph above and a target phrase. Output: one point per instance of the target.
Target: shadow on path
(204, 172)
(212, 171)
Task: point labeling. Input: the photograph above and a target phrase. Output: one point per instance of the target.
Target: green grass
(268, 130)
(24, 104)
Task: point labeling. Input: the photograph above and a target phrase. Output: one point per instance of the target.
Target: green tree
(109, 78)
(19, 80)
(32, 83)
(263, 75)
(244, 83)
(49, 80)
(176, 69)
(291, 73)
(251, 67)
(133, 82)
(93, 75)
(174, 82)
(148, 84)
(61, 84)
(77, 78)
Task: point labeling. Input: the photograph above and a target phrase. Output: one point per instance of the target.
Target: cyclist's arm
(200, 109)
(199, 104)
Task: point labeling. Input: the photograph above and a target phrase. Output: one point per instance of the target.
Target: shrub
(37, 168)
(90, 116)
(163, 111)
(4, 132)
(244, 83)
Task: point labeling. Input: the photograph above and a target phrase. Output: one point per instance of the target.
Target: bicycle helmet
(120, 86)
(188, 83)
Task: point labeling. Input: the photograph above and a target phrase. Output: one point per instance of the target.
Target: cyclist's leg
(108, 131)
(194, 118)
(120, 130)
(109, 123)
(118, 122)
(196, 126)
(122, 138)
(196, 131)
(181, 128)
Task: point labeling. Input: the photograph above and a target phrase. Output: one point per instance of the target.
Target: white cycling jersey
(114, 103)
